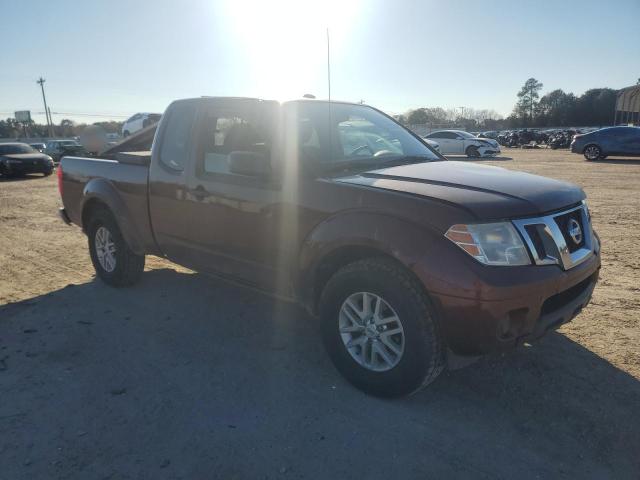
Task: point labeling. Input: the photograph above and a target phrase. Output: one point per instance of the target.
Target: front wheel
(592, 152)
(112, 258)
(380, 329)
(472, 152)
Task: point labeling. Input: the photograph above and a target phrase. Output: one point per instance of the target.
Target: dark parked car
(20, 159)
(59, 148)
(599, 144)
(408, 259)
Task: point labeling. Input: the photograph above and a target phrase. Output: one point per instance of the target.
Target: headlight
(490, 243)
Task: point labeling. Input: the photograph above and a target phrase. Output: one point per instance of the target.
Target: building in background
(628, 106)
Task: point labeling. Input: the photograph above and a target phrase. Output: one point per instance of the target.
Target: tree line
(10, 128)
(594, 108)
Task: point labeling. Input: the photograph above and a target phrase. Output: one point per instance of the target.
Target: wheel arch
(100, 194)
(352, 237)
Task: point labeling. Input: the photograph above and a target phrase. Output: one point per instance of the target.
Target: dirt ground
(183, 376)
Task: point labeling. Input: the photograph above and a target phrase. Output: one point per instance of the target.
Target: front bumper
(487, 151)
(23, 168)
(537, 299)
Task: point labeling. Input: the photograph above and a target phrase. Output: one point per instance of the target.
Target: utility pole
(53, 127)
(41, 81)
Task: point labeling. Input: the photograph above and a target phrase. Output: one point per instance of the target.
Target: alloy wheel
(371, 331)
(105, 249)
(592, 152)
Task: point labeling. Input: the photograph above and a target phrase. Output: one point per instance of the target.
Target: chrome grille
(549, 242)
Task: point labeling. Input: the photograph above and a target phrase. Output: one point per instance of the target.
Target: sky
(108, 59)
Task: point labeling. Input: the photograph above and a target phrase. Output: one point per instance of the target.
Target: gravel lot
(183, 376)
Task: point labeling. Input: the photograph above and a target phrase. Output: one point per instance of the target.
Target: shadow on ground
(618, 161)
(183, 376)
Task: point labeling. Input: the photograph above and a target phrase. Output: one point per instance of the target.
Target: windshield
(344, 134)
(15, 148)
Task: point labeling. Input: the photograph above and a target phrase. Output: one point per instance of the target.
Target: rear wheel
(112, 258)
(380, 329)
(592, 152)
(472, 152)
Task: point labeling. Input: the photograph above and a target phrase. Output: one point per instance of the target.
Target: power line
(79, 114)
(83, 114)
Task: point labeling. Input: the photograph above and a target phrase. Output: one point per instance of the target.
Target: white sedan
(457, 142)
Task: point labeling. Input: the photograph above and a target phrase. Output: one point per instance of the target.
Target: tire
(47, 173)
(421, 357)
(126, 134)
(124, 267)
(592, 152)
(472, 152)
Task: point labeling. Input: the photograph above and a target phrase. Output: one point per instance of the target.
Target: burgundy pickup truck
(408, 259)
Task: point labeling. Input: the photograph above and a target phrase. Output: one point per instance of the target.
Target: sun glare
(285, 45)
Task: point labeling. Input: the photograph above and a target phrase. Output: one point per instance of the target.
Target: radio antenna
(329, 64)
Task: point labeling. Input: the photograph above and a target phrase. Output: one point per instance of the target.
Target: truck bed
(122, 181)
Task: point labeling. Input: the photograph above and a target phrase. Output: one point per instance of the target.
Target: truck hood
(487, 192)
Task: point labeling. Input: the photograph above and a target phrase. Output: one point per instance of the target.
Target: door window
(227, 131)
(176, 138)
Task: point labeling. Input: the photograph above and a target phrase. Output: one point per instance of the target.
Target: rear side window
(627, 133)
(176, 138)
(445, 135)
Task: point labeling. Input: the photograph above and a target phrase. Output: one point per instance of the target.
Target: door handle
(199, 193)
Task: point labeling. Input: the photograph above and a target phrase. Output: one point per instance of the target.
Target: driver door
(233, 217)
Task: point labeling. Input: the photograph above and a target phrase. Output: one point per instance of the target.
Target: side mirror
(249, 163)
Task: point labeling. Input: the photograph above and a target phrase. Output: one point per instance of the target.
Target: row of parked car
(17, 158)
(22, 158)
(593, 143)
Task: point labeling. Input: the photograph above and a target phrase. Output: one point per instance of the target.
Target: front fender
(103, 191)
(405, 241)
